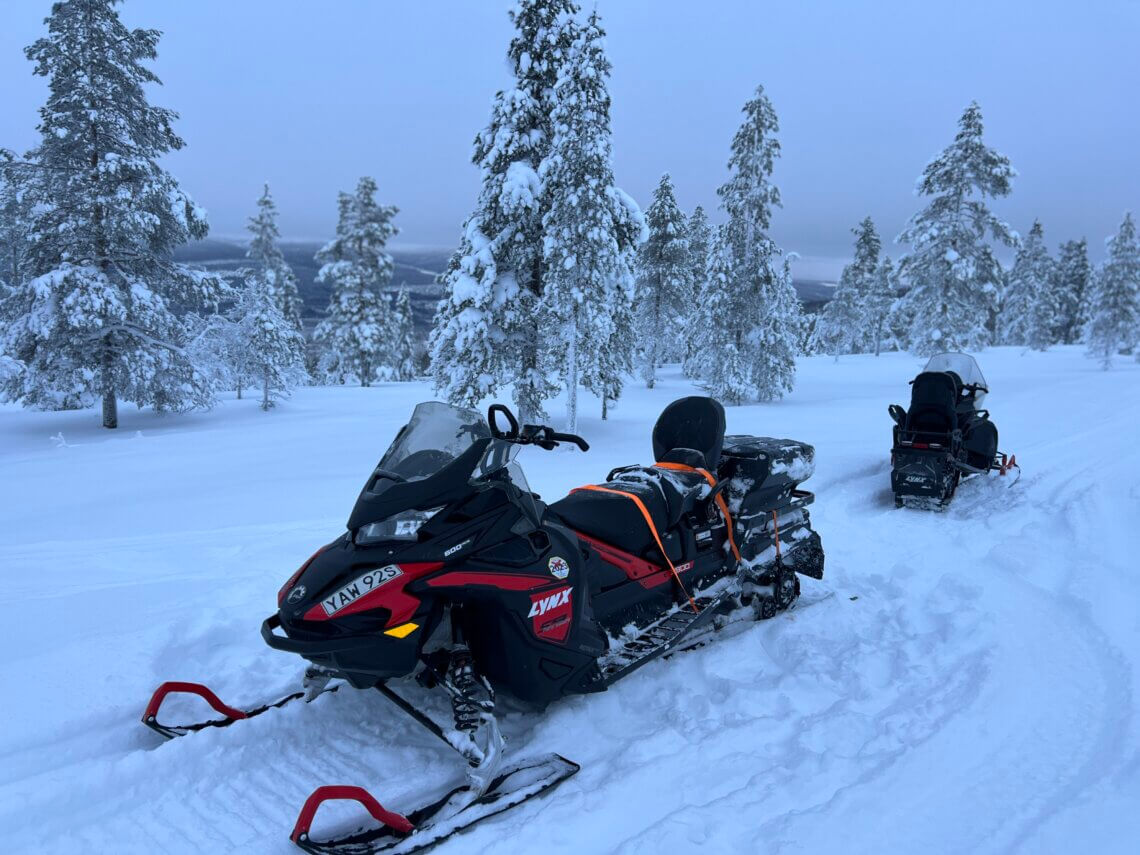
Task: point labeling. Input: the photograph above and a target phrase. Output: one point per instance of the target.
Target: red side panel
(503, 581)
(645, 573)
(551, 613)
(393, 597)
(634, 567)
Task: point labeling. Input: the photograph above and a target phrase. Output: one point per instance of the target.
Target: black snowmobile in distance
(454, 574)
(944, 436)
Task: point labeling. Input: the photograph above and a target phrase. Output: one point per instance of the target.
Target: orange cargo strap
(652, 528)
(720, 502)
(776, 528)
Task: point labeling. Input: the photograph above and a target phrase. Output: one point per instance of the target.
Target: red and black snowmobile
(945, 435)
(454, 574)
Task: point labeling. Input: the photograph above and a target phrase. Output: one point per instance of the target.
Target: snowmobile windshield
(435, 436)
(964, 366)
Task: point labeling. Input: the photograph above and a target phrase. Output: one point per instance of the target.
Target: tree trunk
(239, 389)
(605, 407)
(572, 375)
(265, 392)
(526, 397)
(110, 402)
(110, 410)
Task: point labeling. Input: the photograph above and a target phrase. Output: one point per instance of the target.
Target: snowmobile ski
(229, 714)
(424, 827)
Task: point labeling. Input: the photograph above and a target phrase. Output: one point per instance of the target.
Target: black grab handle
(496, 431)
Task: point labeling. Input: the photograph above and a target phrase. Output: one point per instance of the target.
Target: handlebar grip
(569, 437)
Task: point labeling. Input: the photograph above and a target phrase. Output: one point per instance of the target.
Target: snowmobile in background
(944, 436)
(452, 573)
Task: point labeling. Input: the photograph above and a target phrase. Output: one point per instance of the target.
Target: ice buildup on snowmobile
(453, 574)
(944, 436)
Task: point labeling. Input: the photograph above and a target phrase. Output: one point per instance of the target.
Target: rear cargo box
(763, 475)
(763, 471)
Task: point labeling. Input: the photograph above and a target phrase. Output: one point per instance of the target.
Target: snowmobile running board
(660, 638)
(230, 714)
(420, 829)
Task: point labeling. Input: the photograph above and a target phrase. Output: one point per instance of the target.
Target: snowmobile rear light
(293, 579)
(405, 525)
(920, 445)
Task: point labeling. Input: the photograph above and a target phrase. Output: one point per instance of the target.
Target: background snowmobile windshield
(436, 435)
(965, 367)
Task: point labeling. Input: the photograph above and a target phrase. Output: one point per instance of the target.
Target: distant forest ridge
(415, 268)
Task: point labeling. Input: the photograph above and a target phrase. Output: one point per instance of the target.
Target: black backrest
(932, 402)
(693, 423)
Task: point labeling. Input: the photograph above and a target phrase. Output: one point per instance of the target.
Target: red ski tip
(174, 687)
(397, 822)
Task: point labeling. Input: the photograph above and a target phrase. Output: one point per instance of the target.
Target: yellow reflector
(403, 630)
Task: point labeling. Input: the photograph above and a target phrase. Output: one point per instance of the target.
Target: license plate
(356, 589)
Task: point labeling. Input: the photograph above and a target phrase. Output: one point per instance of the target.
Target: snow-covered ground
(960, 682)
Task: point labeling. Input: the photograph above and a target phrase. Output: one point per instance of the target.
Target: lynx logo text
(558, 598)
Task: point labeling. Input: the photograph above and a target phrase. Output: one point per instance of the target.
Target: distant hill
(415, 268)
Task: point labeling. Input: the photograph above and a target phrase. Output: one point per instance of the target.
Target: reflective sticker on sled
(354, 590)
(559, 569)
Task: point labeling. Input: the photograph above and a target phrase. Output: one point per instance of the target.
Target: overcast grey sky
(310, 95)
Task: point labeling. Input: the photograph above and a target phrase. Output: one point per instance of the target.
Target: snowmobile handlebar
(543, 436)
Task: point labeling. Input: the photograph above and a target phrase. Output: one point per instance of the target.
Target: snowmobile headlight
(405, 525)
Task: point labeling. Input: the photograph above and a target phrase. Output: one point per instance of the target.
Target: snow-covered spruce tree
(1074, 277)
(951, 269)
(272, 348)
(864, 269)
(357, 333)
(402, 355)
(752, 315)
(15, 221)
(664, 291)
(592, 229)
(720, 357)
(877, 304)
(98, 312)
(700, 236)
(487, 328)
(841, 327)
(1114, 311)
(1029, 308)
(264, 251)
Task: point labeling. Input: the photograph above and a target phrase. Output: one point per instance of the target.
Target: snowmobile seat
(688, 436)
(694, 424)
(615, 519)
(933, 404)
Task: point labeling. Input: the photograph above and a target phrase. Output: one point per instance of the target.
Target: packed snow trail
(958, 682)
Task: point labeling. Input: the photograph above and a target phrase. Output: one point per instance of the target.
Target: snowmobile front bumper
(363, 659)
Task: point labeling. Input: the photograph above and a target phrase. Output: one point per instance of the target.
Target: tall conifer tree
(664, 294)
(1114, 313)
(953, 274)
(99, 313)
